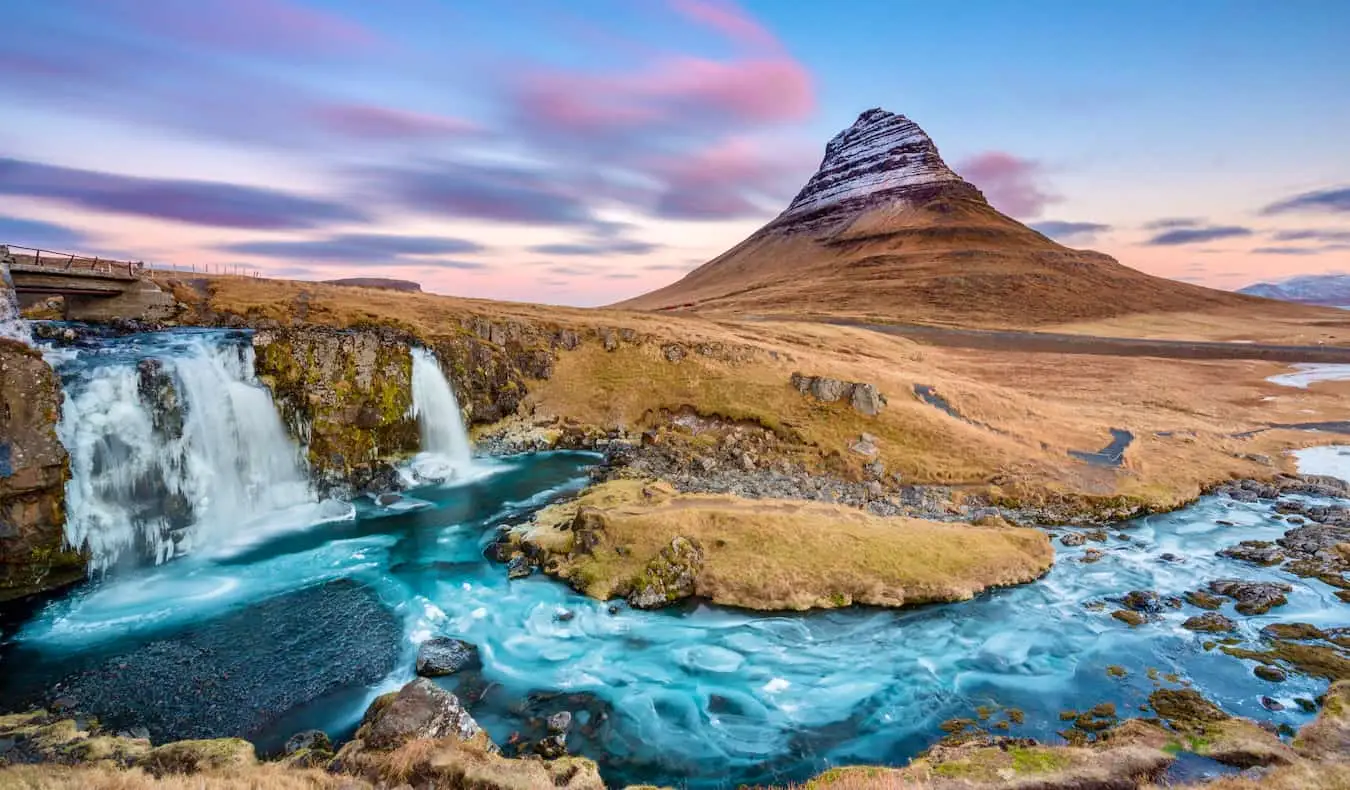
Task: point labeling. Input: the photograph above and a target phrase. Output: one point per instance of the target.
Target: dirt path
(1004, 340)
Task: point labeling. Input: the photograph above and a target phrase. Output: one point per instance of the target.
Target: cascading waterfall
(174, 447)
(446, 451)
(12, 325)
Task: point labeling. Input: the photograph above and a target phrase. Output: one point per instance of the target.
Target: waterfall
(174, 447)
(12, 325)
(446, 451)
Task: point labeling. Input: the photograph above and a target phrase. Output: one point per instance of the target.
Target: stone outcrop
(863, 397)
(34, 468)
(346, 395)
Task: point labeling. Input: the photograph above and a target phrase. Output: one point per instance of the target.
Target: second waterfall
(446, 451)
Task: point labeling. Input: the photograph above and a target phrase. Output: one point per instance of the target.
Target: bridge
(92, 289)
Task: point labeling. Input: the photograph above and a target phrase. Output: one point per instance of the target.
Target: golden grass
(260, 777)
(780, 555)
(1274, 322)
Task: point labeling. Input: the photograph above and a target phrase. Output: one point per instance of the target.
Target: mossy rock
(1183, 708)
(190, 757)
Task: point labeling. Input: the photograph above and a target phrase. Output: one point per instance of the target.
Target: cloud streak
(1182, 236)
(364, 248)
(1336, 200)
(1059, 229)
(207, 203)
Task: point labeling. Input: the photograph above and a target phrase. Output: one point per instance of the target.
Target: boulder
(419, 710)
(444, 655)
(1073, 539)
(1257, 552)
(1209, 622)
(1143, 601)
(1252, 597)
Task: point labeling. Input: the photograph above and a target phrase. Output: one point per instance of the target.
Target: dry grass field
(1024, 411)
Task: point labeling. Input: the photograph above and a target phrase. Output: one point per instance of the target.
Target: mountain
(885, 229)
(1332, 290)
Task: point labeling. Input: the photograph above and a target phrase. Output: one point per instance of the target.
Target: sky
(585, 151)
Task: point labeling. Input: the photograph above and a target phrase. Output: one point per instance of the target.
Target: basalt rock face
(347, 396)
(34, 468)
(880, 159)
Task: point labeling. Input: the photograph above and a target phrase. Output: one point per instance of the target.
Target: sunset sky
(581, 152)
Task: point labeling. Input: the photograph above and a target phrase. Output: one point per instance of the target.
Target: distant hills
(1332, 290)
(886, 230)
(388, 283)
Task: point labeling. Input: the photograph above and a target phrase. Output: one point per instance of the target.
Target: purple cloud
(1313, 235)
(499, 194)
(1197, 235)
(363, 248)
(1286, 251)
(1059, 229)
(1336, 200)
(599, 247)
(1170, 223)
(268, 27)
(35, 233)
(369, 122)
(1011, 183)
(193, 202)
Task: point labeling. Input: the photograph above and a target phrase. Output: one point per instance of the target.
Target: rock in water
(443, 655)
(1143, 601)
(1252, 597)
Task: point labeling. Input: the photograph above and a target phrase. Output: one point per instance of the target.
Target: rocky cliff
(33, 472)
(347, 394)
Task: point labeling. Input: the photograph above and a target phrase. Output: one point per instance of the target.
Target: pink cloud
(368, 122)
(729, 20)
(678, 91)
(260, 26)
(1009, 182)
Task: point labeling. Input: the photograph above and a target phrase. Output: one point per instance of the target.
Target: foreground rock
(423, 736)
(443, 655)
(33, 472)
(642, 541)
(419, 736)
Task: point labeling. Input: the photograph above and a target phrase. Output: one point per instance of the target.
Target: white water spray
(446, 451)
(165, 474)
(12, 325)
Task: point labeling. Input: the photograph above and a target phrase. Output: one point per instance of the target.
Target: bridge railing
(68, 261)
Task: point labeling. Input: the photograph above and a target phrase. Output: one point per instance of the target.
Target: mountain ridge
(1328, 290)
